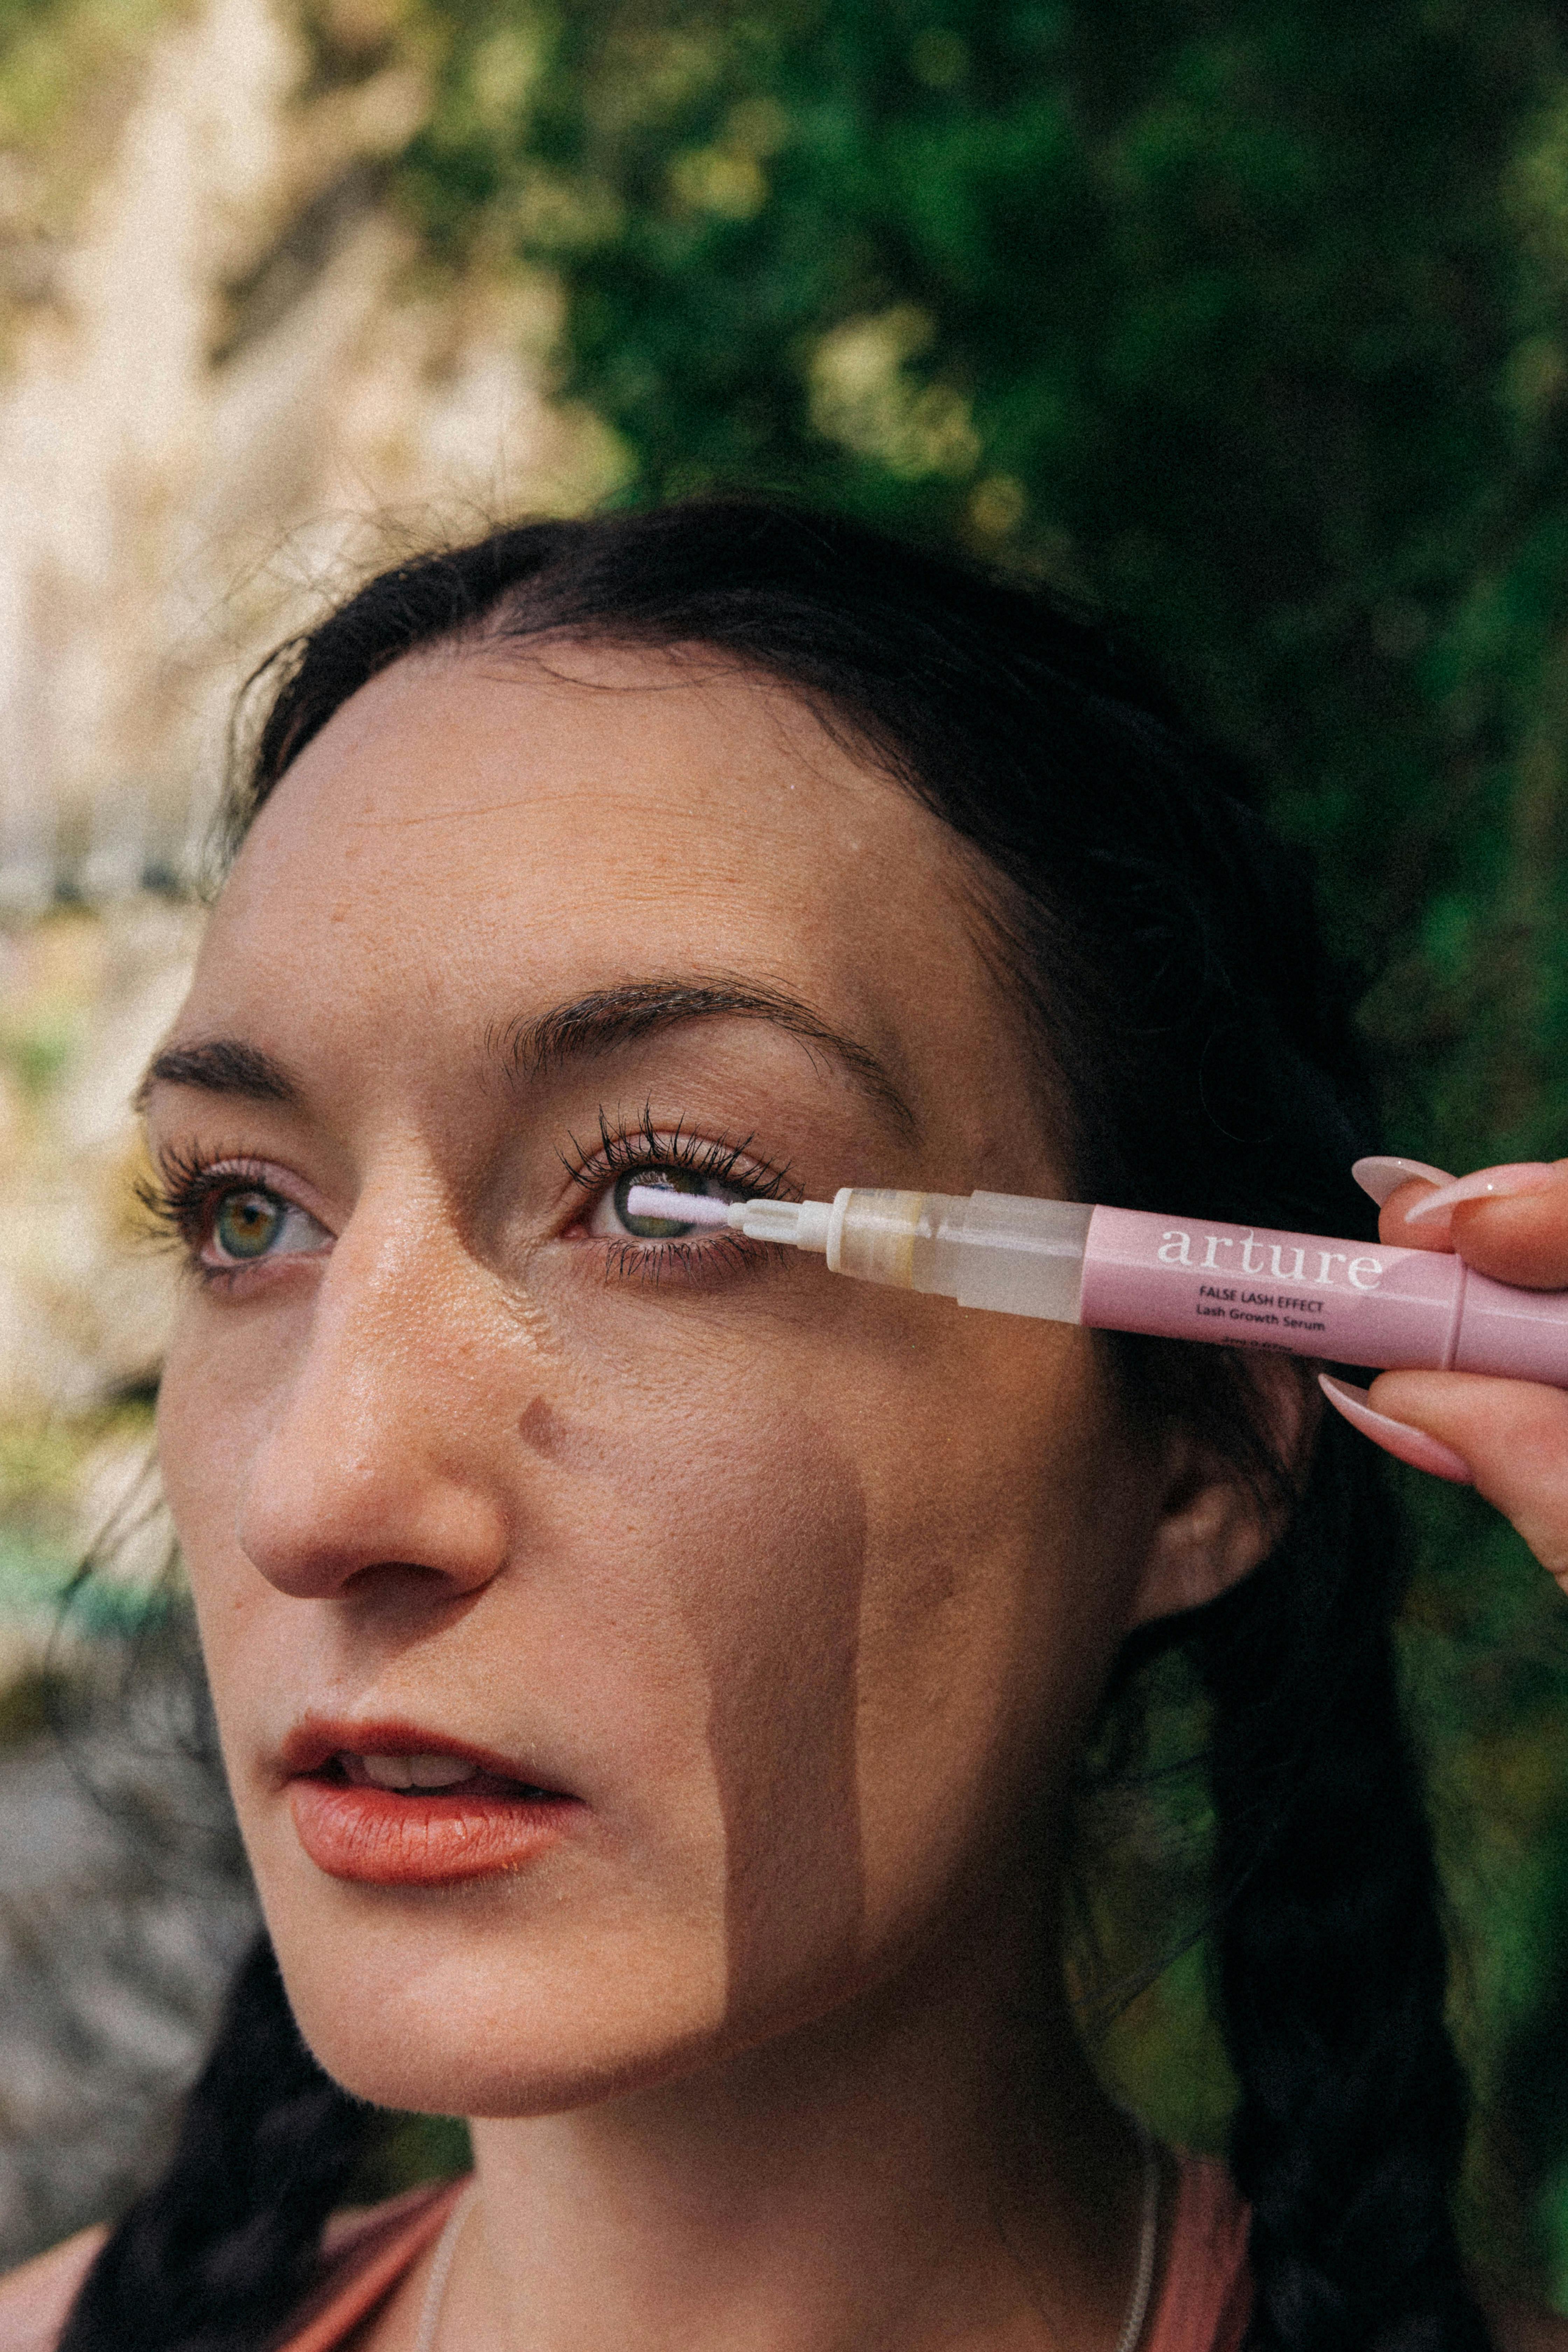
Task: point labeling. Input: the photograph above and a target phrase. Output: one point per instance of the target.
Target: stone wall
(227, 385)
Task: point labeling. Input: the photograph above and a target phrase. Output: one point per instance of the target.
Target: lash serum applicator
(1172, 1277)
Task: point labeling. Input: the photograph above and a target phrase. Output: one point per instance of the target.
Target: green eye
(654, 1229)
(247, 1224)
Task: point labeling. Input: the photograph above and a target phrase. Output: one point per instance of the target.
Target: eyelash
(647, 1147)
(177, 1200)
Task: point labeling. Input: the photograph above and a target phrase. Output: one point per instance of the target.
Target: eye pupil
(247, 1224)
(654, 1229)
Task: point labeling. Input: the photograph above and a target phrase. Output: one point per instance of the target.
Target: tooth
(437, 1772)
(389, 1771)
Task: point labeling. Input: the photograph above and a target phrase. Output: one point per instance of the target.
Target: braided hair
(218, 2252)
(1163, 945)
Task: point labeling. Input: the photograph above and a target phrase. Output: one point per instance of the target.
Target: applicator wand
(1175, 1278)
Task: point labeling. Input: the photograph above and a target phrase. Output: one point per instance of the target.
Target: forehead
(480, 827)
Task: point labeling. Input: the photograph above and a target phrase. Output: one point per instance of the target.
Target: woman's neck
(892, 2175)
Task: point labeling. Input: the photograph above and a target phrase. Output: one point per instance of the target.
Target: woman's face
(790, 1594)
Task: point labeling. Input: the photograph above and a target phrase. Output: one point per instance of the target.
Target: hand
(1509, 1438)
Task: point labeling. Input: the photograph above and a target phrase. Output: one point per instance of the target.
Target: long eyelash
(174, 1197)
(648, 1146)
(711, 1261)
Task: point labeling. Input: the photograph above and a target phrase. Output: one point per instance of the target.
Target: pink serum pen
(1173, 1277)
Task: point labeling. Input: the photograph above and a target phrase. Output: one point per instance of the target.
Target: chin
(538, 2074)
(456, 2019)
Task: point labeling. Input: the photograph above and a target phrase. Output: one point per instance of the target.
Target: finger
(1406, 1444)
(1517, 1237)
(1517, 1231)
(1510, 1435)
(1394, 1224)
(1379, 1173)
(1398, 1186)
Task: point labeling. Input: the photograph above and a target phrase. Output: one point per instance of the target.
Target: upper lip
(317, 1739)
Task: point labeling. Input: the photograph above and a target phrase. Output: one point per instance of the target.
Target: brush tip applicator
(801, 1224)
(670, 1207)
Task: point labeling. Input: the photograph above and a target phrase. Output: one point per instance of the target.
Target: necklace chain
(441, 2269)
(1148, 2243)
(1132, 2327)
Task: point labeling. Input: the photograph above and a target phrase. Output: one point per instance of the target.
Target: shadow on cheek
(783, 1729)
(762, 1554)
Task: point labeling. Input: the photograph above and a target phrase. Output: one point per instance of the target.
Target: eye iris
(654, 1229)
(247, 1224)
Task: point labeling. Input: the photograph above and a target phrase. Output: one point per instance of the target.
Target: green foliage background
(1248, 319)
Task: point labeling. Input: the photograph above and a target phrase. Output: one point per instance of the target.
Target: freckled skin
(805, 1588)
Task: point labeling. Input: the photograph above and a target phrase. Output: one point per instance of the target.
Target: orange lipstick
(390, 1804)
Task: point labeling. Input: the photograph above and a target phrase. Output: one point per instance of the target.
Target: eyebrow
(610, 1017)
(578, 1030)
(219, 1065)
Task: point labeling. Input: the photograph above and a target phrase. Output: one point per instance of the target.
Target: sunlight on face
(627, 1644)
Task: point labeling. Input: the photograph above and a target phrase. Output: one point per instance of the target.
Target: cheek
(782, 1729)
(201, 1453)
(1009, 1531)
(214, 1402)
(899, 1626)
(204, 1433)
(749, 1582)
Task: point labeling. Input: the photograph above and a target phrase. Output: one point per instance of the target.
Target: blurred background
(1246, 320)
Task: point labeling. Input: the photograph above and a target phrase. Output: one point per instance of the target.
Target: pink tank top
(1203, 2305)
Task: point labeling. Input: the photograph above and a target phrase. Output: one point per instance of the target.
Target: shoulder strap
(1206, 2295)
(36, 2298)
(366, 2257)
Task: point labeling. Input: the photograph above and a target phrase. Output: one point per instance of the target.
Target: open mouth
(407, 1816)
(421, 1774)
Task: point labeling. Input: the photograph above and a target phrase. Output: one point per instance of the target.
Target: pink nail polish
(1382, 1174)
(1509, 1183)
(1396, 1438)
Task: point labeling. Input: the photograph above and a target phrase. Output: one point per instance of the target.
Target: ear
(1214, 1526)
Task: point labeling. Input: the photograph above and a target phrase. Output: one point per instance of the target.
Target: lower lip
(382, 1837)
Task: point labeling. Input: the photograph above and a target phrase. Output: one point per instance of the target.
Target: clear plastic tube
(1015, 1256)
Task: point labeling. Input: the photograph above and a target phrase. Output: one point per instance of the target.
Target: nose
(383, 1449)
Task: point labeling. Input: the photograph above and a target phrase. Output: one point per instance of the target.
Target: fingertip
(1396, 1438)
(1516, 1232)
(1510, 1183)
(1381, 1173)
(1394, 1223)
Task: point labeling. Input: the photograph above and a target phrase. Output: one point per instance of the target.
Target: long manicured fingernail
(1487, 1184)
(1382, 1174)
(1396, 1438)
